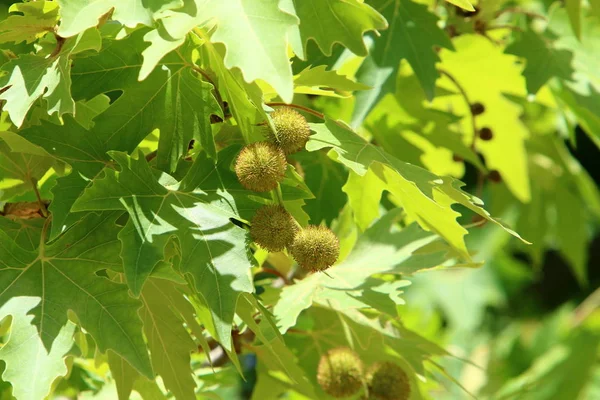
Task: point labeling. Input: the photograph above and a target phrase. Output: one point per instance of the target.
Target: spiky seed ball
(315, 248)
(387, 381)
(273, 228)
(340, 372)
(291, 130)
(260, 166)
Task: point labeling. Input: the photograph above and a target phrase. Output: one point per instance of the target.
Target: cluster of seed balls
(260, 167)
(341, 374)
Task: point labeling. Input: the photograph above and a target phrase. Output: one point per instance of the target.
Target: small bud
(260, 166)
(340, 372)
(291, 130)
(457, 158)
(494, 176)
(387, 381)
(315, 248)
(486, 134)
(477, 108)
(273, 228)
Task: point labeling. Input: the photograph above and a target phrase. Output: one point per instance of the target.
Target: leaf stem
(207, 77)
(43, 209)
(277, 273)
(463, 92)
(279, 195)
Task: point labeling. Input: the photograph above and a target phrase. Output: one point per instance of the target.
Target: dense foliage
(230, 198)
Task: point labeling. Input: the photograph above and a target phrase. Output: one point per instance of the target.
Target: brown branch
(60, 41)
(151, 156)
(43, 209)
(277, 273)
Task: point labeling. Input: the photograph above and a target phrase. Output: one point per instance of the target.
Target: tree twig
(43, 209)
(277, 273)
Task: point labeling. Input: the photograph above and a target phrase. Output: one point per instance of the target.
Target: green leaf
(332, 21)
(273, 350)
(319, 81)
(413, 34)
(426, 198)
(464, 4)
(543, 60)
(63, 275)
(573, 8)
(30, 367)
(213, 250)
(325, 178)
(24, 170)
(79, 15)
(123, 373)
(497, 75)
(31, 76)
(38, 19)
(169, 342)
(381, 249)
(254, 34)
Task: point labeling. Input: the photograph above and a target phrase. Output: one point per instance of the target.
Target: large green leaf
(30, 367)
(497, 75)
(79, 15)
(22, 169)
(426, 198)
(128, 120)
(254, 34)
(63, 276)
(412, 35)
(543, 60)
(32, 76)
(169, 342)
(37, 19)
(333, 21)
(197, 212)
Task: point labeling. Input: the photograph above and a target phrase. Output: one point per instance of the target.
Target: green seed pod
(340, 372)
(260, 166)
(291, 130)
(387, 381)
(273, 228)
(315, 248)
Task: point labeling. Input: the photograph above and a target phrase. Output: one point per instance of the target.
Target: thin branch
(151, 156)
(461, 89)
(60, 41)
(467, 100)
(277, 273)
(207, 77)
(298, 107)
(43, 209)
(586, 308)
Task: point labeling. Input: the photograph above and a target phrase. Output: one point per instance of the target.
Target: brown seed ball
(340, 372)
(387, 381)
(486, 134)
(477, 108)
(260, 166)
(273, 228)
(315, 248)
(291, 130)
